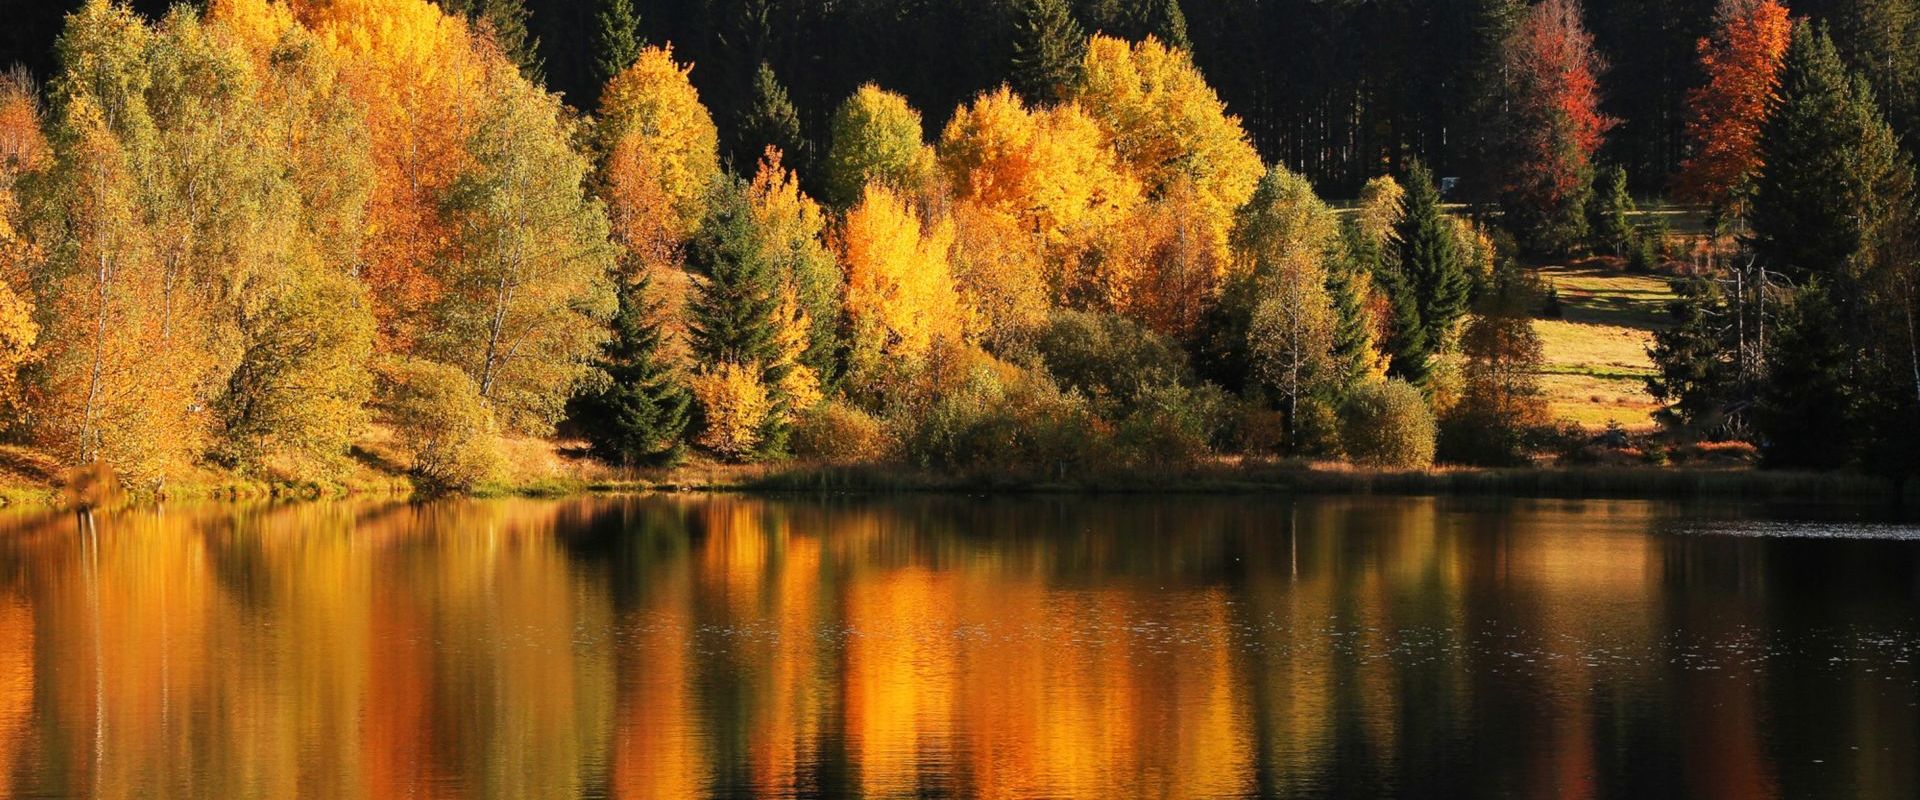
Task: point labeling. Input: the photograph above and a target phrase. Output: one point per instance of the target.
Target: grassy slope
(1597, 353)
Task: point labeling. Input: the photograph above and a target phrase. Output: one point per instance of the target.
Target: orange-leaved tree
(1741, 61)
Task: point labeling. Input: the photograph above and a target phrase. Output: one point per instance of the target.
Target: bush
(734, 409)
(998, 418)
(1643, 253)
(1111, 360)
(835, 431)
(1388, 425)
(444, 426)
(1316, 428)
(1478, 436)
(1171, 425)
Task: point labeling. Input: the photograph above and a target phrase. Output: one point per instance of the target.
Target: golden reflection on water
(673, 647)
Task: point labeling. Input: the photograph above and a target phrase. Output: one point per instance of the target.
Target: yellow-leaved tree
(900, 294)
(1172, 131)
(1052, 171)
(528, 296)
(791, 230)
(412, 69)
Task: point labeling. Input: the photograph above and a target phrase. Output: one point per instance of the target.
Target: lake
(949, 646)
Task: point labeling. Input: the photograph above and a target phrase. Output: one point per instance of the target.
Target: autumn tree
(412, 68)
(1047, 48)
(1050, 171)
(505, 22)
(1290, 239)
(527, 298)
(1741, 61)
(791, 229)
(900, 295)
(1552, 125)
(651, 113)
(877, 138)
(1501, 400)
(1169, 127)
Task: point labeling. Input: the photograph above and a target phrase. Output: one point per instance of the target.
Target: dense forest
(1024, 237)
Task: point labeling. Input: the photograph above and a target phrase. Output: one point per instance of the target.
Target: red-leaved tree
(1553, 125)
(1741, 61)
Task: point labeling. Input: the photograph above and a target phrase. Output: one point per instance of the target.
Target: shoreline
(1597, 482)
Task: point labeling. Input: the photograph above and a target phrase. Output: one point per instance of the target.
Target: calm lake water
(687, 647)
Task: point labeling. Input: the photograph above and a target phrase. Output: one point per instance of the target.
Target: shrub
(1388, 425)
(443, 424)
(734, 408)
(836, 431)
(1171, 425)
(994, 417)
(1111, 360)
(1479, 436)
(1643, 253)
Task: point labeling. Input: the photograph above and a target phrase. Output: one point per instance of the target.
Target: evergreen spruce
(734, 313)
(1830, 169)
(1807, 408)
(1609, 218)
(618, 38)
(1047, 49)
(1352, 334)
(1430, 290)
(641, 416)
(1696, 380)
(1163, 20)
(771, 121)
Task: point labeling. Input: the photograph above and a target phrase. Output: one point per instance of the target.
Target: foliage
(1047, 47)
(1808, 410)
(1112, 361)
(653, 110)
(877, 139)
(735, 408)
(640, 414)
(900, 295)
(1552, 125)
(299, 395)
(791, 230)
(1741, 61)
(837, 431)
(1388, 424)
(1170, 128)
(525, 304)
(443, 426)
(1501, 401)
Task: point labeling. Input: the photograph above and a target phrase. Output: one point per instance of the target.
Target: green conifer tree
(733, 317)
(640, 417)
(1047, 49)
(618, 38)
(1431, 289)
(1609, 213)
(771, 121)
(1807, 410)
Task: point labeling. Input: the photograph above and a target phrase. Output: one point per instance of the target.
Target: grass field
(1596, 354)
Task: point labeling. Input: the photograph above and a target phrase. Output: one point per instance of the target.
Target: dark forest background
(1340, 90)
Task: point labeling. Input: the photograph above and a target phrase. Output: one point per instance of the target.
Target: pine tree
(1608, 216)
(618, 38)
(1830, 169)
(1047, 50)
(1163, 20)
(1409, 351)
(734, 316)
(1807, 410)
(640, 417)
(772, 121)
(1697, 381)
(1432, 288)
(1352, 329)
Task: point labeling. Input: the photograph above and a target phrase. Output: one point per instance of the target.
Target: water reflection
(676, 647)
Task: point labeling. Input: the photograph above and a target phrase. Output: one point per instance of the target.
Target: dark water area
(680, 647)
